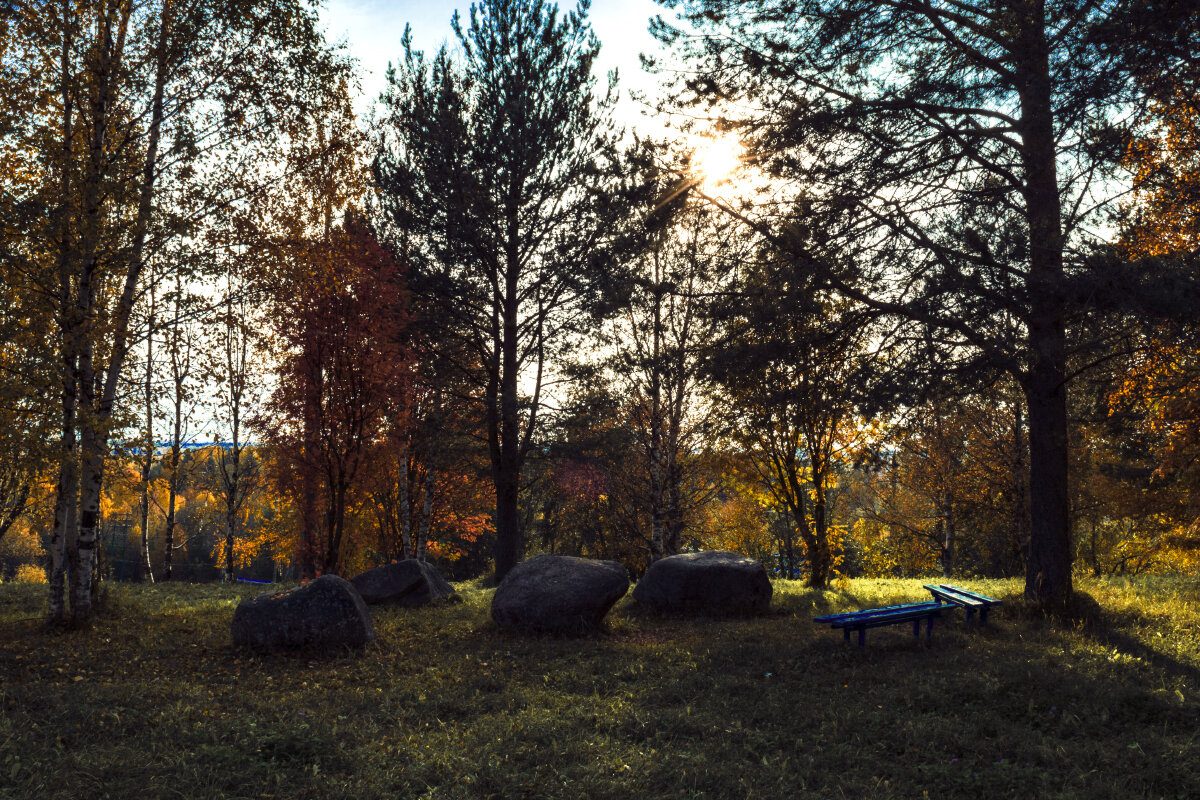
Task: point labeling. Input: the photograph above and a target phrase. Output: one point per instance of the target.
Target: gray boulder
(558, 594)
(326, 613)
(409, 583)
(713, 582)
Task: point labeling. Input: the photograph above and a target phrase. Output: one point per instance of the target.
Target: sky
(372, 31)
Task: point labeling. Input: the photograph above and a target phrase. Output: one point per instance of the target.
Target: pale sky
(372, 29)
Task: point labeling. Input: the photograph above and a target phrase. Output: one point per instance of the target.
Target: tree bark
(68, 468)
(426, 513)
(308, 501)
(231, 499)
(337, 521)
(81, 542)
(822, 558)
(172, 493)
(507, 459)
(508, 522)
(405, 507)
(143, 560)
(98, 416)
(1048, 575)
(949, 534)
(1020, 486)
(65, 507)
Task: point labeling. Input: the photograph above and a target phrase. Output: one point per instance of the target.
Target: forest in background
(247, 334)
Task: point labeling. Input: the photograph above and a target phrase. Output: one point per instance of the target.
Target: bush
(30, 573)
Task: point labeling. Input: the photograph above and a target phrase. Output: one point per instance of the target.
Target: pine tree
(955, 160)
(492, 168)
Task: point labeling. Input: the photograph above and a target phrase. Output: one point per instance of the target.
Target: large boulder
(326, 613)
(409, 583)
(558, 594)
(713, 582)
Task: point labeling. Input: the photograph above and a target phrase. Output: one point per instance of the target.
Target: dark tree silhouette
(342, 381)
(491, 169)
(953, 160)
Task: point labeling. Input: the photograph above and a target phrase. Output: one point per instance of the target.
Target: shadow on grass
(1110, 628)
(446, 706)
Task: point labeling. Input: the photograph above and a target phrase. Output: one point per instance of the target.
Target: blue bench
(971, 601)
(888, 615)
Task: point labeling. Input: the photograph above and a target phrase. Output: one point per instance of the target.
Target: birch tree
(233, 351)
(155, 117)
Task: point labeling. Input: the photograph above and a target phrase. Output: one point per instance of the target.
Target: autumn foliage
(343, 377)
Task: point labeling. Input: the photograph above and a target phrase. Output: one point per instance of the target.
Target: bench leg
(970, 615)
(917, 628)
(929, 627)
(862, 637)
(845, 634)
(983, 616)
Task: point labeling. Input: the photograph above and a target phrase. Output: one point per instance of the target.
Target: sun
(715, 161)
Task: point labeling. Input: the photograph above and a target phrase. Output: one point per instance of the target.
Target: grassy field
(155, 702)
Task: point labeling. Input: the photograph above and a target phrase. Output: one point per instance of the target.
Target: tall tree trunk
(231, 502)
(949, 534)
(1020, 485)
(508, 521)
(507, 468)
(232, 477)
(65, 508)
(143, 560)
(674, 515)
(81, 542)
(180, 351)
(405, 506)
(172, 493)
(68, 468)
(659, 535)
(308, 501)
(337, 521)
(658, 511)
(788, 473)
(97, 416)
(426, 513)
(823, 561)
(1048, 574)
(92, 442)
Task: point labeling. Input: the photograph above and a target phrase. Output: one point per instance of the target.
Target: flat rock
(714, 582)
(409, 583)
(560, 594)
(326, 613)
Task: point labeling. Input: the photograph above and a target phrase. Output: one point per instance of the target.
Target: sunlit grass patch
(153, 700)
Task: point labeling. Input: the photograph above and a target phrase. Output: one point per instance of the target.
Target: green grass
(154, 701)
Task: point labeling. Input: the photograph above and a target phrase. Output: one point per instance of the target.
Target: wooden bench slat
(971, 601)
(887, 615)
(976, 595)
(892, 617)
(955, 595)
(828, 618)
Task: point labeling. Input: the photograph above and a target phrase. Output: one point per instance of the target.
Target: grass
(153, 701)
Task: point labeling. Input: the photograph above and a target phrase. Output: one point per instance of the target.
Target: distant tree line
(944, 319)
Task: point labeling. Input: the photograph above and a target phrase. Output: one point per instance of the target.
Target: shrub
(30, 573)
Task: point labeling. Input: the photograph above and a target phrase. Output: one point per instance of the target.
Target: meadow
(154, 701)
